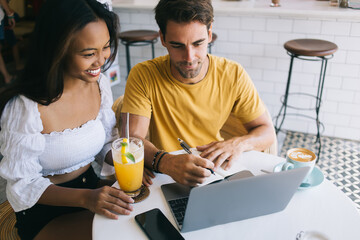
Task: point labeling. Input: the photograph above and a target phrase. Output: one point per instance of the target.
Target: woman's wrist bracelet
(158, 162)
(153, 164)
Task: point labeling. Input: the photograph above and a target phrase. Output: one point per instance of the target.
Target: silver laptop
(233, 199)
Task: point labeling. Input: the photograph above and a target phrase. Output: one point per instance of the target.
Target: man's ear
(210, 33)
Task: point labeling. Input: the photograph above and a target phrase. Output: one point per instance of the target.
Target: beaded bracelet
(154, 160)
(158, 162)
(11, 15)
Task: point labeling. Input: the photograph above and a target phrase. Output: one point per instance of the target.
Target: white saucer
(316, 177)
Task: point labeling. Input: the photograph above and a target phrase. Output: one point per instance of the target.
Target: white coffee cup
(299, 157)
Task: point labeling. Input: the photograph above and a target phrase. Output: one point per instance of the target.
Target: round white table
(324, 209)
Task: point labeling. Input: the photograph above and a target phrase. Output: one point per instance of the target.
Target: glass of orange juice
(128, 158)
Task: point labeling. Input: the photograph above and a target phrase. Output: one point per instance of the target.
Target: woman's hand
(109, 200)
(148, 175)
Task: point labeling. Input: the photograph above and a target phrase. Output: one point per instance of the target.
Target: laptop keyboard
(178, 207)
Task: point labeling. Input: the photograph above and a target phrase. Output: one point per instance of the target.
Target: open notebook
(221, 174)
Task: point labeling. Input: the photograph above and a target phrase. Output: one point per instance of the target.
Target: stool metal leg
(127, 47)
(209, 46)
(284, 105)
(152, 49)
(282, 113)
(318, 101)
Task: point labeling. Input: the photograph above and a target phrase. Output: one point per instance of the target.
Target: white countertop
(289, 8)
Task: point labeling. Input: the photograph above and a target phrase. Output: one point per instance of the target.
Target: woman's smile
(94, 72)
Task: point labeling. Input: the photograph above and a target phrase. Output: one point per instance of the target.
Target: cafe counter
(293, 8)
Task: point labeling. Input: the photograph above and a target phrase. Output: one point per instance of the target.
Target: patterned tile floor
(339, 160)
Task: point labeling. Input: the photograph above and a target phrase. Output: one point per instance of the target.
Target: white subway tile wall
(355, 29)
(256, 42)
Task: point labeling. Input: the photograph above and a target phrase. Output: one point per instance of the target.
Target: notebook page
(236, 167)
(221, 173)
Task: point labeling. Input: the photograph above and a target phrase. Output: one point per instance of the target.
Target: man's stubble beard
(189, 73)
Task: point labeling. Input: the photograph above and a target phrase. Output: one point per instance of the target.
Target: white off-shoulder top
(30, 155)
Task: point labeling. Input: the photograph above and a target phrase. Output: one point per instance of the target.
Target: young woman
(57, 119)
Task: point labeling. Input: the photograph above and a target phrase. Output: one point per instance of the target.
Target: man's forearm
(149, 151)
(259, 138)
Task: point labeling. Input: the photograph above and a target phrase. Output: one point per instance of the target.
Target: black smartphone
(156, 226)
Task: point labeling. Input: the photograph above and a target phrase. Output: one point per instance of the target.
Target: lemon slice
(125, 155)
(124, 146)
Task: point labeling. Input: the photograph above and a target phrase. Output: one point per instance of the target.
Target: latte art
(301, 155)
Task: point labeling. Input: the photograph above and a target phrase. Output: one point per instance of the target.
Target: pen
(187, 149)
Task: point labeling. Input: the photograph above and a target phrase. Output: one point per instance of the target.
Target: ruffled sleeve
(21, 145)
(107, 117)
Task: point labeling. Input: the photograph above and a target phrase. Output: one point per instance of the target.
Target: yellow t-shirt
(192, 112)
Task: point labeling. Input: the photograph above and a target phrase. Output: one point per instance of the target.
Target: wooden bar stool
(138, 38)
(309, 50)
(7, 222)
(214, 37)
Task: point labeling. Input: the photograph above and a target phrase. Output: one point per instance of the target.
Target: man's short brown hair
(183, 11)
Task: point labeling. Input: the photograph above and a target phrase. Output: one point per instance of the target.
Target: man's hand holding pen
(187, 169)
(187, 149)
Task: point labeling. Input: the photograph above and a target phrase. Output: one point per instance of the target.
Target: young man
(189, 94)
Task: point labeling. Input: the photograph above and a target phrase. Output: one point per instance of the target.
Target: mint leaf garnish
(129, 156)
